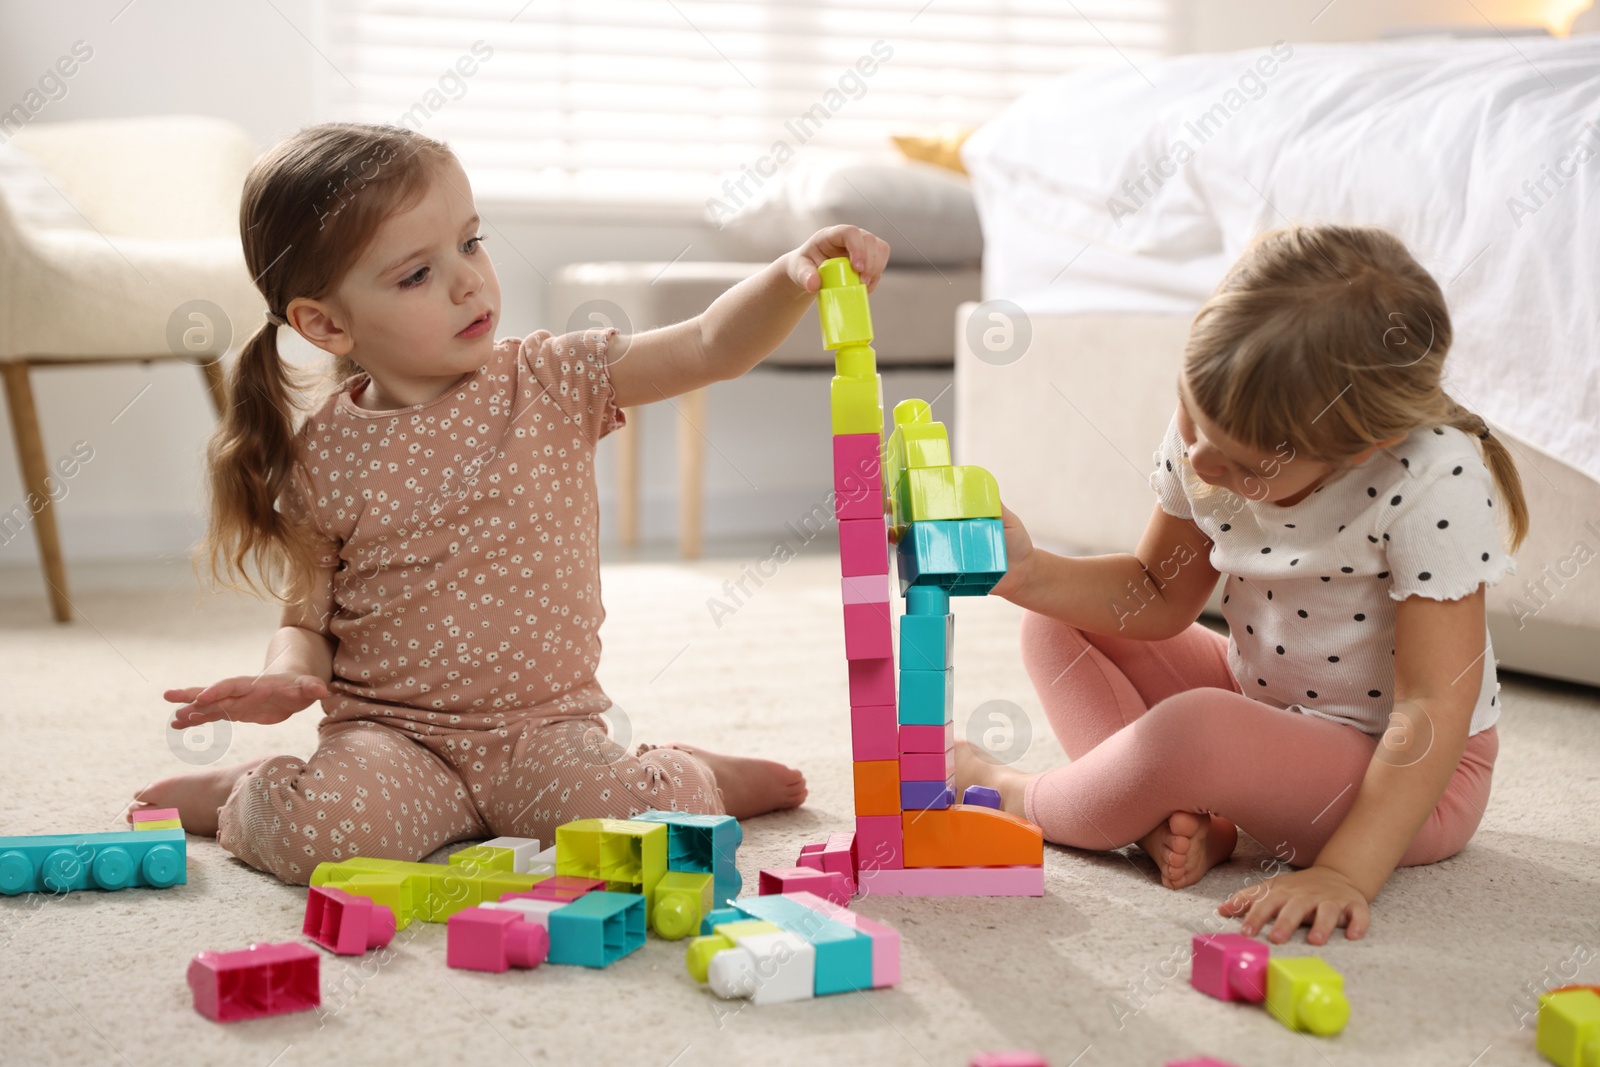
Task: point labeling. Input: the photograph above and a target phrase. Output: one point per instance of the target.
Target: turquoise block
(965, 557)
(717, 916)
(597, 929)
(927, 698)
(926, 600)
(844, 955)
(62, 863)
(927, 642)
(702, 844)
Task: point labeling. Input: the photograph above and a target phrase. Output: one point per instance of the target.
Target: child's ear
(320, 323)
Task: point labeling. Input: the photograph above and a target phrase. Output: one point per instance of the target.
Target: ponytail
(1501, 465)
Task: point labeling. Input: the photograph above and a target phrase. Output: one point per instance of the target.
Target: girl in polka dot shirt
(1316, 467)
(432, 524)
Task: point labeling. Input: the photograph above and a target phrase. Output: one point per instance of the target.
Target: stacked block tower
(911, 837)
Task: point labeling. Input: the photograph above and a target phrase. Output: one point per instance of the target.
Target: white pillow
(35, 198)
(925, 212)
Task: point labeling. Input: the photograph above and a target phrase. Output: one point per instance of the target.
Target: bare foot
(973, 769)
(1188, 845)
(196, 795)
(752, 787)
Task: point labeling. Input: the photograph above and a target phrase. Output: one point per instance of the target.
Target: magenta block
(1230, 967)
(491, 939)
(952, 881)
(563, 887)
(784, 880)
(866, 589)
(915, 738)
(1016, 1057)
(252, 982)
(925, 766)
(874, 733)
(154, 815)
(871, 682)
(857, 476)
(885, 941)
(868, 631)
(345, 923)
(879, 843)
(863, 547)
(1200, 1061)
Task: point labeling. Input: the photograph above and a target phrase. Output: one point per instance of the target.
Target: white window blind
(654, 101)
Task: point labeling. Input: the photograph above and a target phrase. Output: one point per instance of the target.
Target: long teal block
(703, 843)
(966, 557)
(597, 929)
(927, 698)
(62, 863)
(927, 642)
(844, 955)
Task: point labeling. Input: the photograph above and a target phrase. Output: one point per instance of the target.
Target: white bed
(1429, 138)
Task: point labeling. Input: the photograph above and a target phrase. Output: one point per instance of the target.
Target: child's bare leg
(973, 769)
(197, 795)
(752, 787)
(1188, 845)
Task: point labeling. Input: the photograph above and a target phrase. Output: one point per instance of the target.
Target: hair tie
(1484, 434)
(274, 318)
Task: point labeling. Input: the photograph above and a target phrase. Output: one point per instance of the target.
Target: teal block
(62, 863)
(965, 557)
(927, 642)
(844, 955)
(716, 917)
(702, 844)
(597, 929)
(927, 698)
(926, 600)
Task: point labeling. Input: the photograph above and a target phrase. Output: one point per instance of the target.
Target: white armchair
(145, 221)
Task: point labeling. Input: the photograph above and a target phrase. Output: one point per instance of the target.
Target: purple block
(921, 796)
(982, 795)
(1230, 967)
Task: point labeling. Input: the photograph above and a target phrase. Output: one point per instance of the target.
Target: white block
(543, 863)
(534, 911)
(771, 968)
(525, 848)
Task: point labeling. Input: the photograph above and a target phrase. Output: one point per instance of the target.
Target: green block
(1304, 993)
(485, 858)
(856, 405)
(1569, 1028)
(630, 856)
(682, 898)
(842, 305)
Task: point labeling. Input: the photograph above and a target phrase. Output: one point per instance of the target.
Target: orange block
(968, 835)
(878, 787)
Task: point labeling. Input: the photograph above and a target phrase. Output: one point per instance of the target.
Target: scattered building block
(1568, 1032)
(531, 909)
(1200, 1061)
(868, 631)
(682, 899)
(154, 815)
(836, 855)
(717, 916)
(885, 941)
(431, 892)
(1025, 881)
(597, 929)
(863, 546)
(544, 863)
(494, 939)
(828, 884)
(877, 787)
(481, 857)
(1304, 993)
(269, 979)
(703, 843)
(564, 888)
(163, 824)
(721, 937)
(1230, 967)
(920, 797)
(345, 923)
(964, 836)
(874, 733)
(981, 796)
(878, 843)
(630, 856)
(516, 854)
(844, 956)
(771, 968)
(62, 863)
(1008, 1058)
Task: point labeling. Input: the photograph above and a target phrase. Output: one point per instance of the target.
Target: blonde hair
(309, 208)
(1331, 339)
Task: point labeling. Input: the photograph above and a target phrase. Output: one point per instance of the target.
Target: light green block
(1304, 993)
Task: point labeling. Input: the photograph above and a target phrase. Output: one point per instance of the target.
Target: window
(656, 100)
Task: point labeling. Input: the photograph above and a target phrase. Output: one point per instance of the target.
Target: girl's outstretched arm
(742, 326)
(1438, 671)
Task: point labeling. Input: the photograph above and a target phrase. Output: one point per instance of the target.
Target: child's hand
(266, 698)
(1019, 554)
(868, 255)
(1318, 895)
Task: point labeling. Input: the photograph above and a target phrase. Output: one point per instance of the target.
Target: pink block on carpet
(879, 843)
(786, 880)
(885, 941)
(866, 589)
(928, 738)
(874, 733)
(1230, 967)
(857, 476)
(868, 631)
(155, 815)
(871, 682)
(482, 939)
(926, 766)
(1202, 1061)
(952, 881)
(863, 547)
(1008, 1058)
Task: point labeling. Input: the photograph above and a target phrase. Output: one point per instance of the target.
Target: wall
(1225, 25)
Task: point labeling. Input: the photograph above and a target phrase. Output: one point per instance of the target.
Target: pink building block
(154, 815)
(1230, 967)
(1016, 1057)
(952, 881)
(874, 733)
(252, 982)
(345, 923)
(1202, 1061)
(928, 738)
(885, 942)
(857, 476)
(829, 884)
(925, 766)
(866, 589)
(868, 631)
(563, 887)
(871, 682)
(486, 939)
(879, 842)
(837, 855)
(863, 546)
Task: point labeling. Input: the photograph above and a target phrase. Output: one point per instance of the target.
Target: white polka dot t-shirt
(1310, 588)
(463, 537)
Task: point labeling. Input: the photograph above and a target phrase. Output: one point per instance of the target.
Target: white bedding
(1433, 139)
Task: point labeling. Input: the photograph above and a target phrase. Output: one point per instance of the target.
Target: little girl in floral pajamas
(433, 527)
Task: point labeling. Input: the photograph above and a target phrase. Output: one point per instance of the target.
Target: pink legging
(1154, 727)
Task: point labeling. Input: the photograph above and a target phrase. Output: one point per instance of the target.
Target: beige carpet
(1094, 973)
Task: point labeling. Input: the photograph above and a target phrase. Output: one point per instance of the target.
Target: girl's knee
(1187, 722)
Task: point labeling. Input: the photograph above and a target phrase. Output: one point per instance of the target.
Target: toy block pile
(1303, 993)
(152, 855)
(911, 837)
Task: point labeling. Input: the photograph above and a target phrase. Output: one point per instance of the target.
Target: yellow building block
(842, 305)
(485, 858)
(917, 442)
(630, 856)
(857, 405)
(683, 898)
(1569, 1027)
(722, 936)
(162, 824)
(431, 892)
(934, 493)
(1304, 993)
